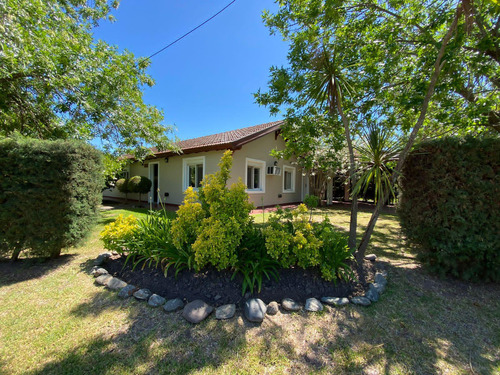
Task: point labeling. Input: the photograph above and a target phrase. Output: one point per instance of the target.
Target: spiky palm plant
(378, 150)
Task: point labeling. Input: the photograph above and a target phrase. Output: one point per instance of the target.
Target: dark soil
(217, 288)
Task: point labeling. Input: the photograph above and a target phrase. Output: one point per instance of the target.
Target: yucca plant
(378, 150)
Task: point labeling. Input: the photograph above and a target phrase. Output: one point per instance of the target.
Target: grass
(54, 320)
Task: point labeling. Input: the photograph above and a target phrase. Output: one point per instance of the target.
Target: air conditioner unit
(275, 171)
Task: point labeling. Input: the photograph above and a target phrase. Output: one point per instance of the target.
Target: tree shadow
(157, 341)
(420, 325)
(30, 268)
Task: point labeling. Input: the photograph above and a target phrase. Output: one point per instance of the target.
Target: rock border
(254, 309)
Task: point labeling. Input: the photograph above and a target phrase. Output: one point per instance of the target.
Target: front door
(154, 176)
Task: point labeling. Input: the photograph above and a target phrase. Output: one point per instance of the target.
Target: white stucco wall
(171, 173)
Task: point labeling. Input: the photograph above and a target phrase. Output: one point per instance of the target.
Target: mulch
(217, 288)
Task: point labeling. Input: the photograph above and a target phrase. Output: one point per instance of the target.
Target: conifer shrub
(450, 208)
(49, 194)
(227, 212)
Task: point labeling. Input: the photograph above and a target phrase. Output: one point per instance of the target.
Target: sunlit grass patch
(54, 320)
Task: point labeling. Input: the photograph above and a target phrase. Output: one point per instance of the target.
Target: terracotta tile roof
(232, 139)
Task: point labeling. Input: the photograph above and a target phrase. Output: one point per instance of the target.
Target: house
(269, 181)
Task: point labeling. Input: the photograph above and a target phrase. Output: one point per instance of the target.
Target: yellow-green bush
(291, 240)
(227, 214)
(189, 217)
(119, 231)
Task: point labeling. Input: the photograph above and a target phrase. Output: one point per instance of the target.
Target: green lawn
(53, 320)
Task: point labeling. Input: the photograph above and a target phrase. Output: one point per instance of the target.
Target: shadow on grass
(30, 268)
(156, 342)
(420, 325)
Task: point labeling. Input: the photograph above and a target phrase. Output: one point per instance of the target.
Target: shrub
(291, 240)
(254, 263)
(151, 242)
(449, 207)
(227, 214)
(335, 253)
(49, 194)
(122, 186)
(189, 217)
(311, 202)
(117, 234)
(140, 185)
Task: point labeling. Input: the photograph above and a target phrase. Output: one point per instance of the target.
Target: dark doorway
(155, 183)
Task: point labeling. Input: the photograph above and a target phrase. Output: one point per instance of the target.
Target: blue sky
(204, 83)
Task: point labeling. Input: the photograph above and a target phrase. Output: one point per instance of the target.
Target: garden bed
(216, 287)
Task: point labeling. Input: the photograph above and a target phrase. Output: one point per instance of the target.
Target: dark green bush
(140, 185)
(49, 194)
(450, 206)
(122, 186)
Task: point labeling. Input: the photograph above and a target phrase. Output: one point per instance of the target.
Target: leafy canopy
(382, 53)
(56, 81)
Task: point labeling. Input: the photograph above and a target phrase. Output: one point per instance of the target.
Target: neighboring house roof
(231, 140)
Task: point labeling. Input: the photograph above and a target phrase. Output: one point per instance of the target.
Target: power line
(189, 32)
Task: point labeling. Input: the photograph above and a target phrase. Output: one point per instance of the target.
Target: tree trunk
(360, 254)
(15, 254)
(353, 226)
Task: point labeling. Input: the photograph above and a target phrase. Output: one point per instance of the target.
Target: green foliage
(147, 241)
(334, 253)
(227, 214)
(49, 194)
(122, 185)
(311, 202)
(116, 234)
(56, 81)
(254, 263)
(292, 240)
(139, 184)
(189, 217)
(378, 150)
(150, 241)
(112, 167)
(449, 206)
(381, 55)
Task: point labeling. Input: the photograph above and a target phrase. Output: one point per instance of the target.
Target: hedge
(49, 194)
(450, 206)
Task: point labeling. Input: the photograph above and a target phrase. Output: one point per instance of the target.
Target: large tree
(386, 71)
(56, 81)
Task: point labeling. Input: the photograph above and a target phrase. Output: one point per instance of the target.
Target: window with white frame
(255, 175)
(193, 170)
(288, 179)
